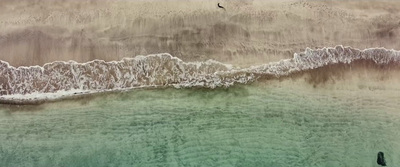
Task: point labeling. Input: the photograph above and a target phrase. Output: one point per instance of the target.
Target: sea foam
(163, 70)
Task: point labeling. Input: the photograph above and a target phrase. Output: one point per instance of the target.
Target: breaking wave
(166, 70)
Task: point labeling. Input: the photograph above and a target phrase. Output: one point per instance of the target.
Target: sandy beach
(246, 33)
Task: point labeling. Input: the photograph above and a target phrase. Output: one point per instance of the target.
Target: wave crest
(166, 70)
(312, 59)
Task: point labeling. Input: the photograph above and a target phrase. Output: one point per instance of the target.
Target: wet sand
(246, 33)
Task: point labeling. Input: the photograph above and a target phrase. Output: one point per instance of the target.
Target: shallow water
(278, 123)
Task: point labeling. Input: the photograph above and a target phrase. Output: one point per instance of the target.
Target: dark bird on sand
(221, 6)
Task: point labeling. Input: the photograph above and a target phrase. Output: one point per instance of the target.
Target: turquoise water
(274, 124)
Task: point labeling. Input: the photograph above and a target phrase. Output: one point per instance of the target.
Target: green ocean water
(276, 124)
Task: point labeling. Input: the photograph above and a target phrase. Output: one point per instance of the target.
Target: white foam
(38, 96)
(59, 79)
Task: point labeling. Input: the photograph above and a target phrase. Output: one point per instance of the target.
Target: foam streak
(166, 70)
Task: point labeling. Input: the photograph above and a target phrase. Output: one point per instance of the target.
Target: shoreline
(209, 74)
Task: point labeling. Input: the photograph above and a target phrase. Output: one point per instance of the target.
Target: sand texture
(246, 33)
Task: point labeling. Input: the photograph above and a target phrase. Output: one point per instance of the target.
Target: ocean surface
(287, 122)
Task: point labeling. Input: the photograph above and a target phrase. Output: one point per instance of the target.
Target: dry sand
(34, 32)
